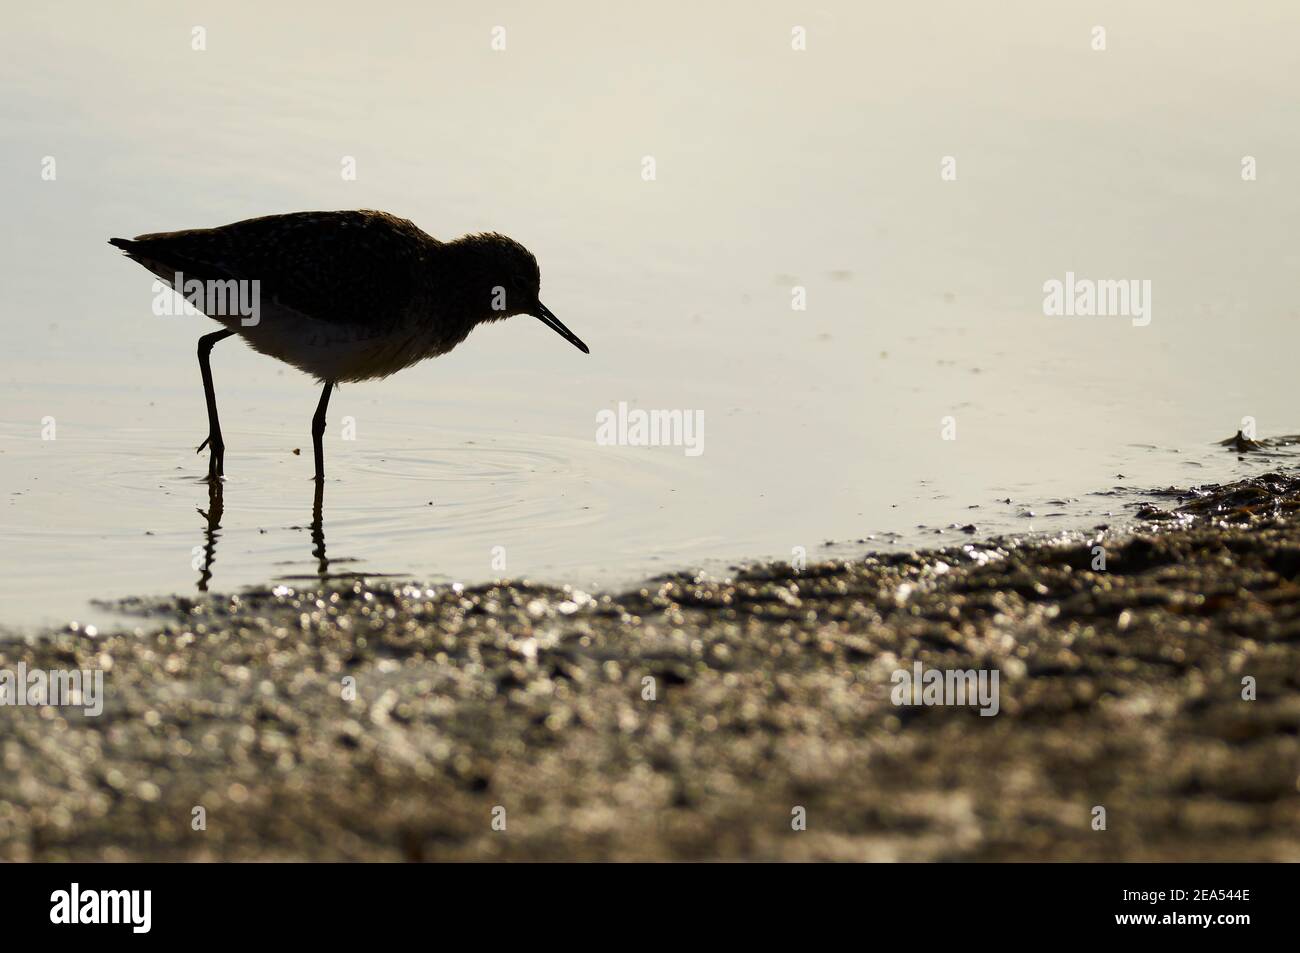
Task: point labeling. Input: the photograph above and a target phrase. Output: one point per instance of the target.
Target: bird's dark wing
(351, 267)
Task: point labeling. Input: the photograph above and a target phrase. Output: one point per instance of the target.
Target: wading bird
(343, 296)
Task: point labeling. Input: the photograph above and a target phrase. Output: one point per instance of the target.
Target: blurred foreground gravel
(1119, 688)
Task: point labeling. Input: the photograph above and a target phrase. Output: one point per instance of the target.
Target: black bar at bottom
(335, 902)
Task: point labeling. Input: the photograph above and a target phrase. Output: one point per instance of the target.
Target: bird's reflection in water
(212, 533)
(318, 532)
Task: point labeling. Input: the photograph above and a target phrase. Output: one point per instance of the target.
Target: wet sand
(1120, 688)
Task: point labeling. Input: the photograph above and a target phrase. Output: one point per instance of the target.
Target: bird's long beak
(555, 324)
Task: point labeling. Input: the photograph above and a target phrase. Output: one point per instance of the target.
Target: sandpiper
(343, 296)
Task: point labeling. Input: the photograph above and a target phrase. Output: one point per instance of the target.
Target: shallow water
(775, 169)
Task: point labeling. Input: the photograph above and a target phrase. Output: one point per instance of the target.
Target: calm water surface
(774, 169)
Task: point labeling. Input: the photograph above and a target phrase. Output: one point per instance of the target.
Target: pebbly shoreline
(694, 719)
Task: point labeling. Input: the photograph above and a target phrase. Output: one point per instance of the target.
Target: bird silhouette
(343, 296)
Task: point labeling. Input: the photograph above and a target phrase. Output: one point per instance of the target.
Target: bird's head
(505, 280)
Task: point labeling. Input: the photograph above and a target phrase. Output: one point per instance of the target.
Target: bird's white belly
(332, 351)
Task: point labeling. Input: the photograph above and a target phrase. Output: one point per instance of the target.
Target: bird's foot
(216, 458)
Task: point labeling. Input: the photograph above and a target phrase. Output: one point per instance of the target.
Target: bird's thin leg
(318, 429)
(217, 456)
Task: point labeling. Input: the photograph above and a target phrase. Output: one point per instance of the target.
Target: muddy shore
(693, 719)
